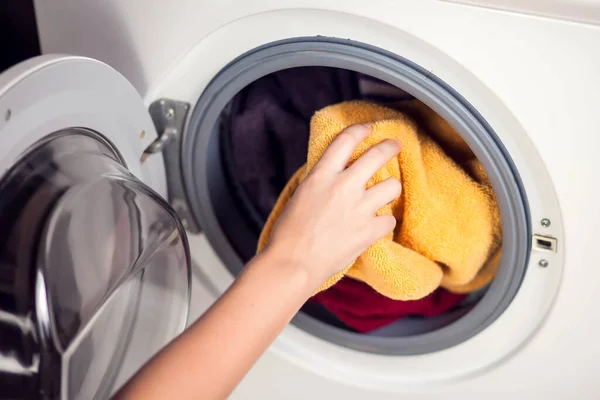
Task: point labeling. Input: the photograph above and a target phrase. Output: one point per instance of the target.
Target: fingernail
(368, 126)
(392, 142)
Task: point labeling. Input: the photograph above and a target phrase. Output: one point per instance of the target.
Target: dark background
(18, 32)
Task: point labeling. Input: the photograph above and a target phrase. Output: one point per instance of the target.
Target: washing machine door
(94, 264)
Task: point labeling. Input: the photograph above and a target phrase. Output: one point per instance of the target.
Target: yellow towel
(448, 232)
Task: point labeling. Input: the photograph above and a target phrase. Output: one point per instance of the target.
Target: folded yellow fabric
(448, 232)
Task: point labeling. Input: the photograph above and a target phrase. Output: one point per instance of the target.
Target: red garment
(363, 309)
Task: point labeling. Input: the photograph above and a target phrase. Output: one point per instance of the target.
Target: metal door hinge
(169, 118)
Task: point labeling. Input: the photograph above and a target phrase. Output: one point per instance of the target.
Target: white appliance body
(532, 73)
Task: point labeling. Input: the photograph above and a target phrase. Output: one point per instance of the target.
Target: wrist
(291, 267)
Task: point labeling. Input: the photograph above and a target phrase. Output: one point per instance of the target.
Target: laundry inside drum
(264, 134)
(248, 136)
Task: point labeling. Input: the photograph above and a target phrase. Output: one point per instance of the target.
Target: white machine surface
(529, 69)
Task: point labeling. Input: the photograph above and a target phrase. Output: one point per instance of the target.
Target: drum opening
(232, 216)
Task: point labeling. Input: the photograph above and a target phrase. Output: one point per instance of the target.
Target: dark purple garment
(269, 127)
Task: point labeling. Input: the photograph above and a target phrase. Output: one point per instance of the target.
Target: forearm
(212, 356)
(330, 220)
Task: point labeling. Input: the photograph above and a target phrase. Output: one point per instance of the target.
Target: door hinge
(169, 118)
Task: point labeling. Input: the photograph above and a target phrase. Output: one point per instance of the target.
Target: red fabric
(361, 308)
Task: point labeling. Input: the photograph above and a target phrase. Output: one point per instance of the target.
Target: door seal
(169, 118)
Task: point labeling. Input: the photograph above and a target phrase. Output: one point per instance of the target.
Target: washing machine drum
(91, 258)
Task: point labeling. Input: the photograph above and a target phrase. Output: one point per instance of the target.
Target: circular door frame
(532, 303)
(51, 93)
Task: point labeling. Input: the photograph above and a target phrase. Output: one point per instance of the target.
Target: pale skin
(329, 222)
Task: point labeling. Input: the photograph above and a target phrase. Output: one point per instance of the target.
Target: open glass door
(94, 264)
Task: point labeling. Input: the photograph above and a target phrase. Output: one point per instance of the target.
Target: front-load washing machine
(517, 81)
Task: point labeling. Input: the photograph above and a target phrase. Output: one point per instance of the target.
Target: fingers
(376, 157)
(382, 225)
(382, 194)
(339, 151)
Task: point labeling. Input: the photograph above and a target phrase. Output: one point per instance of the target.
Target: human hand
(330, 220)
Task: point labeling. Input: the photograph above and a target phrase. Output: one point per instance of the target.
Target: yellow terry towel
(448, 232)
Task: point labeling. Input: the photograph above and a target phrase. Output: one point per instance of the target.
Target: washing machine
(112, 156)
